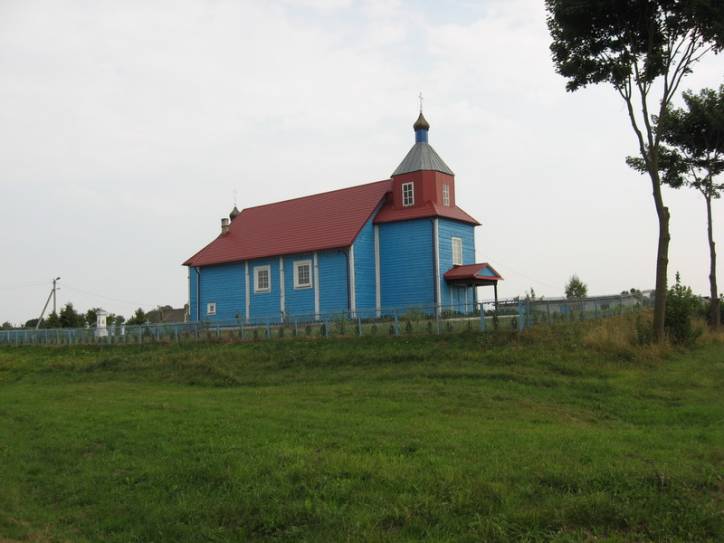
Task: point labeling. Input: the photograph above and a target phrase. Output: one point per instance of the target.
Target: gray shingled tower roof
(422, 156)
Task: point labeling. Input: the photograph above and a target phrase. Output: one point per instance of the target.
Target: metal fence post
(521, 325)
(482, 318)
(397, 325)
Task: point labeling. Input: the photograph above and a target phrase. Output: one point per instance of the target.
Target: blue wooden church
(365, 250)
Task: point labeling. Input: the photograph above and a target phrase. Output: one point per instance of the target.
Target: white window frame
(411, 194)
(211, 308)
(299, 264)
(257, 270)
(446, 195)
(457, 243)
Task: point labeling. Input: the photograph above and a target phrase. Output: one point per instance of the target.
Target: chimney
(224, 225)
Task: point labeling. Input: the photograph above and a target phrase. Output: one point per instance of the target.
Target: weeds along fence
(508, 314)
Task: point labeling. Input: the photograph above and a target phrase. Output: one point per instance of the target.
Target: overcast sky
(125, 128)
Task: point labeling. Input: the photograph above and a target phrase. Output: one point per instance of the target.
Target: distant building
(398, 243)
(167, 314)
(565, 306)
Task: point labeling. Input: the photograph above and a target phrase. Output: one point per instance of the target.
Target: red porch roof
(473, 273)
(312, 223)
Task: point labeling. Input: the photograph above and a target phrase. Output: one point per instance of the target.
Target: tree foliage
(696, 134)
(693, 137)
(631, 41)
(576, 289)
(53, 321)
(70, 318)
(91, 317)
(139, 317)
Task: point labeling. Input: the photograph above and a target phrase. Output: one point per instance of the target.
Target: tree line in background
(68, 317)
(644, 49)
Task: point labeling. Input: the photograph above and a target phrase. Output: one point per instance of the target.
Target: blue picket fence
(482, 316)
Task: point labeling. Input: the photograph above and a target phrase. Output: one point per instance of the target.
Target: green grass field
(460, 438)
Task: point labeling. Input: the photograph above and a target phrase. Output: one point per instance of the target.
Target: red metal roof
(388, 213)
(471, 272)
(312, 223)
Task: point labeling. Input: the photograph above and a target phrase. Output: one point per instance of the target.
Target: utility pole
(54, 289)
(51, 295)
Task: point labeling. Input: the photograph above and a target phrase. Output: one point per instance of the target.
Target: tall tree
(695, 134)
(139, 317)
(53, 321)
(69, 317)
(32, 323)
(643, 49)
(575, 288)
(91, 317)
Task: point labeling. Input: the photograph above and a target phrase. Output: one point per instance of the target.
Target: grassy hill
(459, 438)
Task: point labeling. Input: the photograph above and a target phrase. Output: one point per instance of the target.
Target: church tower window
(408, 194)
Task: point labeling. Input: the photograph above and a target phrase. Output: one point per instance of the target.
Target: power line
(24, 285)
(88, 293)
(503, 264)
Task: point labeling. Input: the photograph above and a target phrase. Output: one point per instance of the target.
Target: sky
(126, 128)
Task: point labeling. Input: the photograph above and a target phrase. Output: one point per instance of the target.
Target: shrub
(681, 306)
(644, 331)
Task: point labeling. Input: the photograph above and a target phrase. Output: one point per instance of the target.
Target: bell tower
(422, 178)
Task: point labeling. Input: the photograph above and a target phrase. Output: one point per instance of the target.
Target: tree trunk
(713, 293)
(662, 258)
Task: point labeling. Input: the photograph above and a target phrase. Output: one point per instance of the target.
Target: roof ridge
(315, 194)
